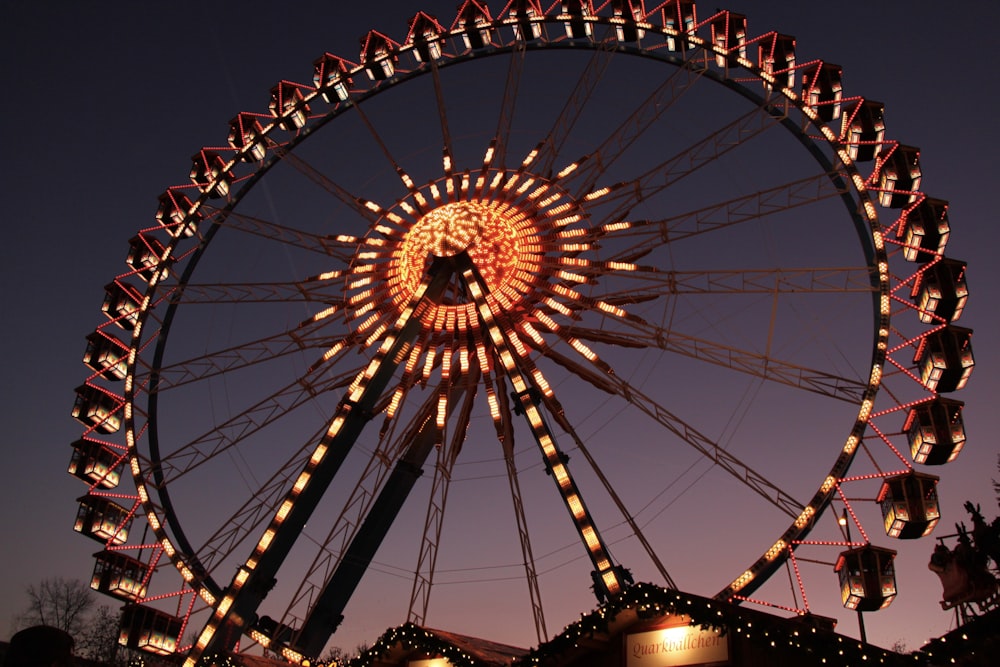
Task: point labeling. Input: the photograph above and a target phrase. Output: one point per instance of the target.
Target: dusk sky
(107, 101)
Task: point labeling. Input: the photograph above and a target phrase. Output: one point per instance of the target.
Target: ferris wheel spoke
(262, 350)
(365, 209)
(650, 282)
(688, 434)
(634, 331)
(686, 162)
(449, 151)
(582, 176)
(319, 291)
(505, 433)
(559, 416)
(324, 244)
(651, 234)
(609, 578)
(552, 143)
(505, 117)
(247, 519)
(423, 580)
(230, 433)
(410, 377)
(744, 361)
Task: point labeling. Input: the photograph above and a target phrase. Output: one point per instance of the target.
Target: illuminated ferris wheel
(643, 239)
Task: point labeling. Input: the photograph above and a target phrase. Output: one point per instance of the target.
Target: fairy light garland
(648, 602)
(795, 639)
(414, 638)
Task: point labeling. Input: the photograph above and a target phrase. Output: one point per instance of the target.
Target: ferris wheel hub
(500, 238)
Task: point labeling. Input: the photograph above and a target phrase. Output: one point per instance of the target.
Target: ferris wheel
(511, 261)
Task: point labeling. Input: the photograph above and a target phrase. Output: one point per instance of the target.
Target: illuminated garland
(649, 601)
(970, 644)
(965, 646)
(413, 637)
(219, 660)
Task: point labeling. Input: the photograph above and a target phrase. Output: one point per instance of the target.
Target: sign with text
(675, 646)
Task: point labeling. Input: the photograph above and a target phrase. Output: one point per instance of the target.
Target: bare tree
(99, 639)
(996, 484)
(61, 603)
(334, 656)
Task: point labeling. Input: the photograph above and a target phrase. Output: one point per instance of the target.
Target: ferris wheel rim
(720, 78)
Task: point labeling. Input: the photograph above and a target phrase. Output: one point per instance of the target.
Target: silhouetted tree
(61, 603)
(99, 638)
(996, 484)
(333, 656)
(338, 656)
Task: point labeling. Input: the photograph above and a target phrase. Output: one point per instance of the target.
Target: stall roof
(412, 641)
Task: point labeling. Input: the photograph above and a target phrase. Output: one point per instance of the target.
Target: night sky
(105, 104)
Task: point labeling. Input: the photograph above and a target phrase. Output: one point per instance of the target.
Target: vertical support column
(609, 578)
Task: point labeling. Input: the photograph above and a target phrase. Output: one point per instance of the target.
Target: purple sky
(105, 105)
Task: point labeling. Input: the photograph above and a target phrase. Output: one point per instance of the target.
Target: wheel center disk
(496, 235)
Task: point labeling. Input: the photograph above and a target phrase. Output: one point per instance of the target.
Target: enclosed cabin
(944, 358)
(628, 14)
(96, 463)
(909, 505)
(525, 17)
(822, 89)
(148, 629)
(924, 230)
(175, 216)
(246, 137)
(102, 520)
(729, 34)
(776, 56)
(679, 16)
(426, 36)
(144, 254)
(935, 431)
(940, 291)
(379, 55)
(121, 304)
(330, 76)
(899, 176)
(862, 129)
(98, 409)
(867, 577)
(119, 575)
(475, 24)
(107, 355)
(288, 106)
(209, 173)
(578, 17)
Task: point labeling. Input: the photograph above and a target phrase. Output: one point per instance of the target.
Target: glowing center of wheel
(449, 229)
(492, 233)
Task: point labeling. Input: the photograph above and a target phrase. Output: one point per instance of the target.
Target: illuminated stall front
(646, 626)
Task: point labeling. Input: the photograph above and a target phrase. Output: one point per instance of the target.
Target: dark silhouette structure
(40, 646)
